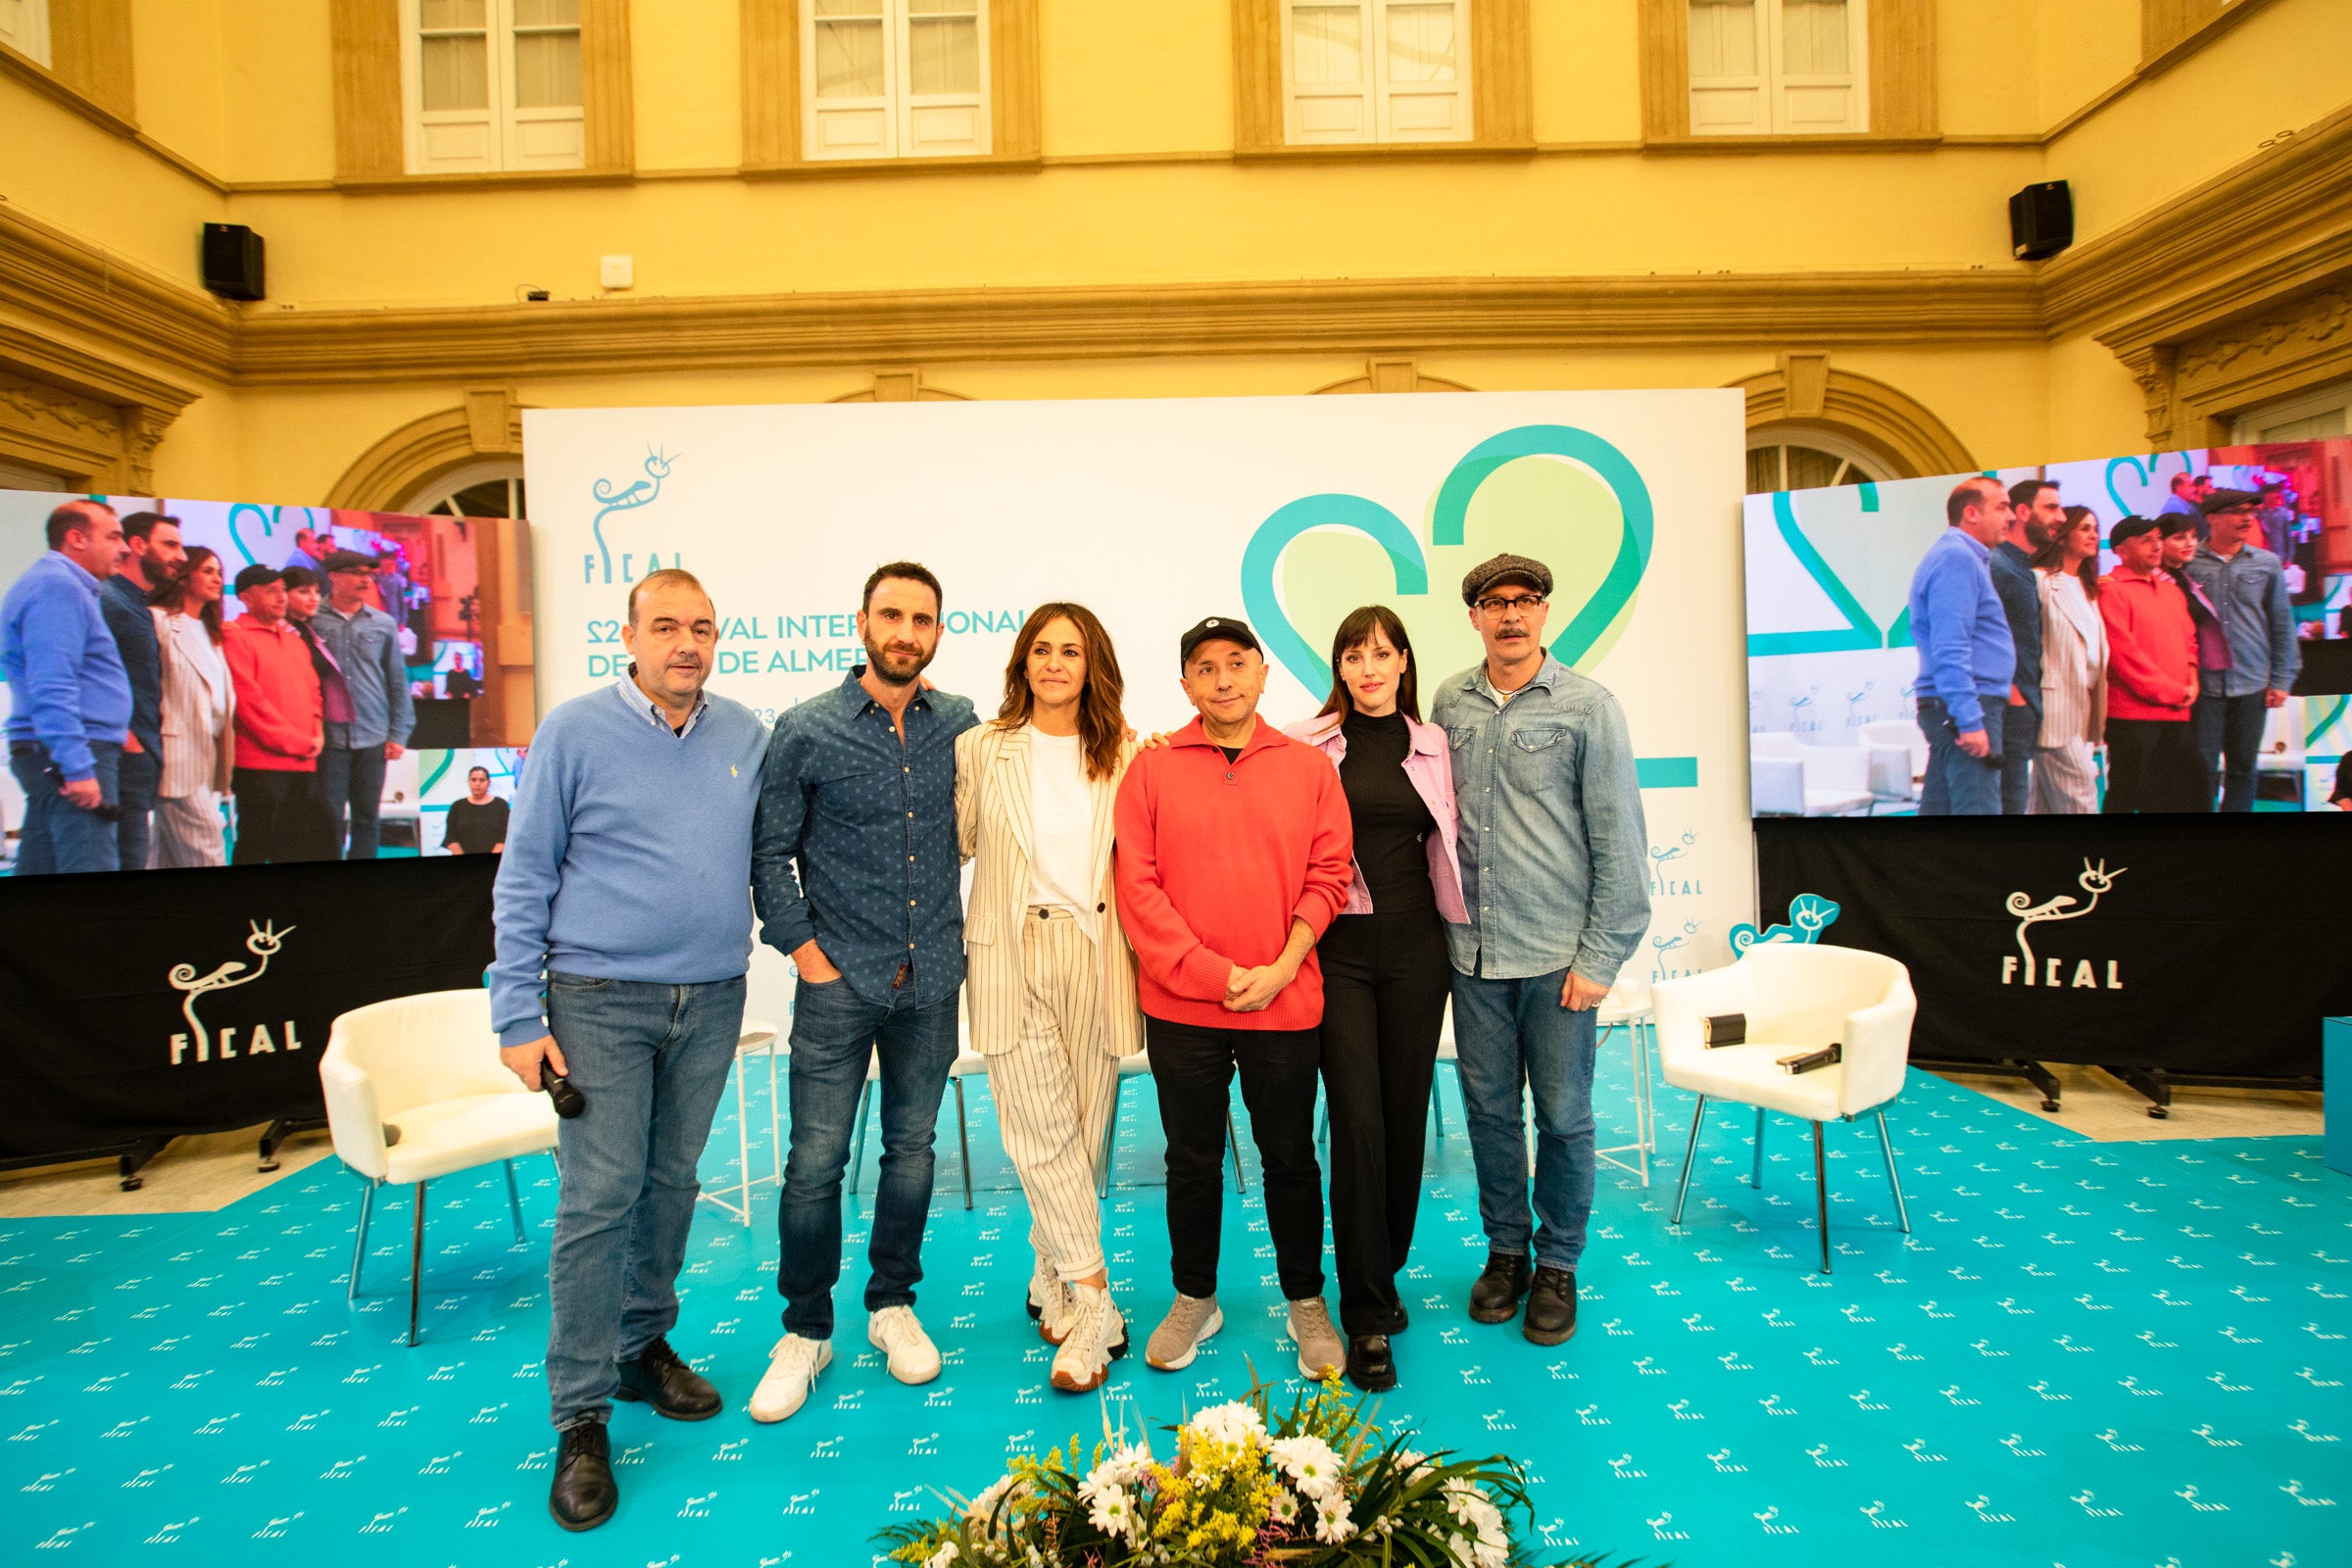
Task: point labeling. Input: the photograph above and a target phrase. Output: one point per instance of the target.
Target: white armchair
(1796, 997)
(415, 1091)
(1790, 779)
(1899, 758)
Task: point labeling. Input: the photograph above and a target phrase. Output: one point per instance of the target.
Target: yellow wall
(1139, 187)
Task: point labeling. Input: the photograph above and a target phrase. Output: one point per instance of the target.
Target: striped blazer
(2073, 663)
(993, 828)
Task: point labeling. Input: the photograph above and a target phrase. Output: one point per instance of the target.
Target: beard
(898, 663)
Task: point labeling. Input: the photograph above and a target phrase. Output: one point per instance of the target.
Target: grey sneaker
(1320, 1352)
(1177, 1339)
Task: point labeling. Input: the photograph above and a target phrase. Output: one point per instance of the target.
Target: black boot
(584, 1493)
(672, 1388)
(1494, 1298)
(1370, 1366)
(1551, 1306)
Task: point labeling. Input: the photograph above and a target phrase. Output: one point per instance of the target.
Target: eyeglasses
(1503, 606)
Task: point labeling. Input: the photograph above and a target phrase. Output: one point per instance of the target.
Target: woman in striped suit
(1049, 973)
(2074, 671)
(199, 708)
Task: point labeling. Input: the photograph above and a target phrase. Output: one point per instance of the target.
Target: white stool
(756, 1037)
(1628, 1007)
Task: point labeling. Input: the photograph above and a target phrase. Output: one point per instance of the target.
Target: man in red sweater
(2152, 760)
(279, 733)
(1234, 851)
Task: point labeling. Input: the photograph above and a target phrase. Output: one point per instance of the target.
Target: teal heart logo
(1587, 517)
(269, 517)
(2151, 495)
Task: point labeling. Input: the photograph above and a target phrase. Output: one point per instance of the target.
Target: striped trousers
(1053, 1092)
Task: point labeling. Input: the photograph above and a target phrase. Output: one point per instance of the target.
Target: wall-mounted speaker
(2041, 220)
(233, 262)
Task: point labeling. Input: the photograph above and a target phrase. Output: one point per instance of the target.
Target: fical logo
(2095, 880)
(264, 943)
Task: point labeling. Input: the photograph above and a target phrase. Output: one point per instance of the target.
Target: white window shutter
(449, 59)
(849, 60)
(1424, 70)
(943, 81)
(544, 126)
(1328, 49)
(1818, 56)
(492, 85)
(24, 27)
(1729, 68)
(894, 79)
(1784, 67)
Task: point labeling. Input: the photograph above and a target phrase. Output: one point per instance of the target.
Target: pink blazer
(1430, 765)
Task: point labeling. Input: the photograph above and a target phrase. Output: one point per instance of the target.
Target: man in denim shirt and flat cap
(1554, 860)
(858, 876)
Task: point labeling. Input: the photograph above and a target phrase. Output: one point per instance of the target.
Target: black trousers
(1192, 1069)
(2152, 765)
(1385, 978)
(280, 815)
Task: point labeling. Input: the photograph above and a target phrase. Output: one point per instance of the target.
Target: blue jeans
(2229, 729)
(2023, 722)
(136, 777)
(56, 835)
(834, 1032)
(1511, 1035)
(1958, 784)
(354, 779)
(652, 1061)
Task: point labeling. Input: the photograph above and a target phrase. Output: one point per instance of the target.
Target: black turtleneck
(1390, 817)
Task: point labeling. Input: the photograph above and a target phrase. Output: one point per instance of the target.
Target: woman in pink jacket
(1386, 973)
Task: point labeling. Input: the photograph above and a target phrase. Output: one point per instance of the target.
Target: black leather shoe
(1494, 1298)
(1395, 1322)
(1551, 1306)
(672, 1388)
(584, 1495)
(1370, 1366)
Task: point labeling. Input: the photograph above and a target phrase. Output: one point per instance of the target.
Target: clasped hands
(1253, 990)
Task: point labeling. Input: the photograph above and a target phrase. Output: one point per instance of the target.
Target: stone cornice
(1321, 316)
(2279, 219)
(51, 280)
(2278, 225)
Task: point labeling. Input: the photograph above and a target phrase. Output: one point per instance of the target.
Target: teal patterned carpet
(2086, 1354)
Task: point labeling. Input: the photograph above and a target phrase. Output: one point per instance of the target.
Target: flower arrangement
(1318, 1488)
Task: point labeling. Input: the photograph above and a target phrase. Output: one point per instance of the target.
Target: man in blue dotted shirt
(858, 877)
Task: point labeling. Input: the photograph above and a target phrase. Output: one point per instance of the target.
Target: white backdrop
(1287, 510)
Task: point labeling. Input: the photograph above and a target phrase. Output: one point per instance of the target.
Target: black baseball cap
(2132, 527)
(1217, 628)
(258, 575)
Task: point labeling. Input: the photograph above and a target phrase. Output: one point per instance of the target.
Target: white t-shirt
(1061, 812)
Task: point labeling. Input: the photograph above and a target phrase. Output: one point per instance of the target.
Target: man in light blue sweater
(624, 928)
(1966, 657)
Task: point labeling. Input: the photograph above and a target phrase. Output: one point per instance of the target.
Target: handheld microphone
(568, 1102)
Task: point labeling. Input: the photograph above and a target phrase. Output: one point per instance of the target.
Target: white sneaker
(895, 1332)
(1098, 1334)
(792, 1366)
(1050, 1302)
